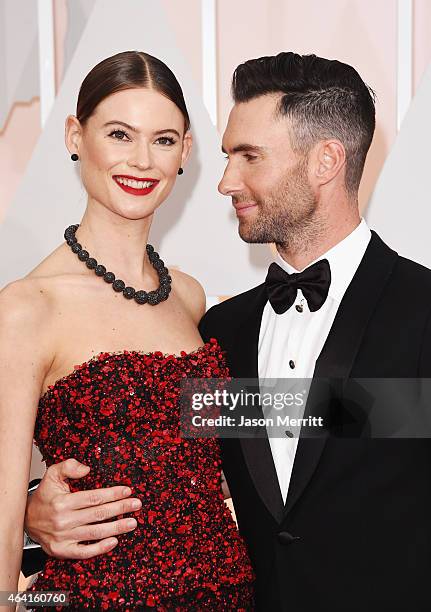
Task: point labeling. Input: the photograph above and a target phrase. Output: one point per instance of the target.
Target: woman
(135, 339)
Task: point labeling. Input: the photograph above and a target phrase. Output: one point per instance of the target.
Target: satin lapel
(244, 364)
(341, 347)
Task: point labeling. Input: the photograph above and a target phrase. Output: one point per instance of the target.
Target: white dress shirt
(290, 343)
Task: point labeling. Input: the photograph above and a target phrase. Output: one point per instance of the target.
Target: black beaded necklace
(141, 296)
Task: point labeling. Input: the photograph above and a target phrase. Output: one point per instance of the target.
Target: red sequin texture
(119, 414)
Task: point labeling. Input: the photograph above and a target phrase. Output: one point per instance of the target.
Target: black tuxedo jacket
(355, 532)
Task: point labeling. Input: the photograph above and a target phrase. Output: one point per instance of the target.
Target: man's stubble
(287, 216)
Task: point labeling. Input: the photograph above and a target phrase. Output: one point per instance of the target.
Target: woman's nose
(141, 156)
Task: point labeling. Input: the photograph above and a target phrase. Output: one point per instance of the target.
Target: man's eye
(250, 157)
(115, 133)
(166, 140)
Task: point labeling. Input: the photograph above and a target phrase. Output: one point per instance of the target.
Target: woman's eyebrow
(126, 125)
(133, 129)
(171, 130)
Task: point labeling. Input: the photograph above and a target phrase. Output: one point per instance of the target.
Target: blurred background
(47, 47)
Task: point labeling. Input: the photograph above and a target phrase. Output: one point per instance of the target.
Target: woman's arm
(23, 365)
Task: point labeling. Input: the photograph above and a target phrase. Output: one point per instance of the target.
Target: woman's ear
(187, 147)
(72, 134)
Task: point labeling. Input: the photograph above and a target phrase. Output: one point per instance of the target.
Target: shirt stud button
(299, 307)
(288, 433)
(292, 364)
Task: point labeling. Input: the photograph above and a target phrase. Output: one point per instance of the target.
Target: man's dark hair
(322, 98)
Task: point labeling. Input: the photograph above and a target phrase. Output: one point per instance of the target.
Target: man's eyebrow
(241, 148)
(133, 129)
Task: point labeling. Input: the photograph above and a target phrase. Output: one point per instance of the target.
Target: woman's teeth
(134, 184)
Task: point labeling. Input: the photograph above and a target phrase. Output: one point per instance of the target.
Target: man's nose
(231, 182)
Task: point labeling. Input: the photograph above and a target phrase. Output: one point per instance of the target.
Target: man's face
(267, 181)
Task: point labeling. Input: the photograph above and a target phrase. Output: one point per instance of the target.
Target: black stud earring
(180, 171)
(74, 157)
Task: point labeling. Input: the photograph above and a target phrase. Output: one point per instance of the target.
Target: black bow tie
(282, 287)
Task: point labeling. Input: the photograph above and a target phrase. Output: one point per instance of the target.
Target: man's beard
(287, 215)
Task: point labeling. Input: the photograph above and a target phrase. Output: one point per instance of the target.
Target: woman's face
(130, 150)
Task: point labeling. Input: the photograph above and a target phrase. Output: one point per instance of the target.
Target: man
(331, 523)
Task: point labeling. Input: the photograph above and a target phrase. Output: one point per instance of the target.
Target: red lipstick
(133, 190)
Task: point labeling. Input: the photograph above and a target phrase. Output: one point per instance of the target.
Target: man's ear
(72, 134)
(187, 147)
(328, 160)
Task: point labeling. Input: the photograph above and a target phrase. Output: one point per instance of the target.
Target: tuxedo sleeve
(425, 353)
(33, 557)
(33, 561)
(205, 325)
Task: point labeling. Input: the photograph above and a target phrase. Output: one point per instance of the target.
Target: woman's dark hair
(322, 98)
(128, 70)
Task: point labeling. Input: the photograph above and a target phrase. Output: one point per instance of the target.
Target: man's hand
(58, 519)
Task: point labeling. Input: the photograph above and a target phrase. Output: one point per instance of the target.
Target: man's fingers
(96, 497)
(86, 551)
(71, 468)
(102, 531)
(101, 513)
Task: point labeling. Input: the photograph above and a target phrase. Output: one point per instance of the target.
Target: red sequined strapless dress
(119, 414)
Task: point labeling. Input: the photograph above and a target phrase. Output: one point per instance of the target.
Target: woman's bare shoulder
(191, 293)
(25, 300)
(33, 296)
(26, 315)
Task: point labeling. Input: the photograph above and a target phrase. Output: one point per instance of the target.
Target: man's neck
(300, 257)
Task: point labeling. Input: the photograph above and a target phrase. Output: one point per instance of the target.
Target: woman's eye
(166, 140)
(118, 134)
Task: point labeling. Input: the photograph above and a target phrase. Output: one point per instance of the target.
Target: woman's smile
(136, 185)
